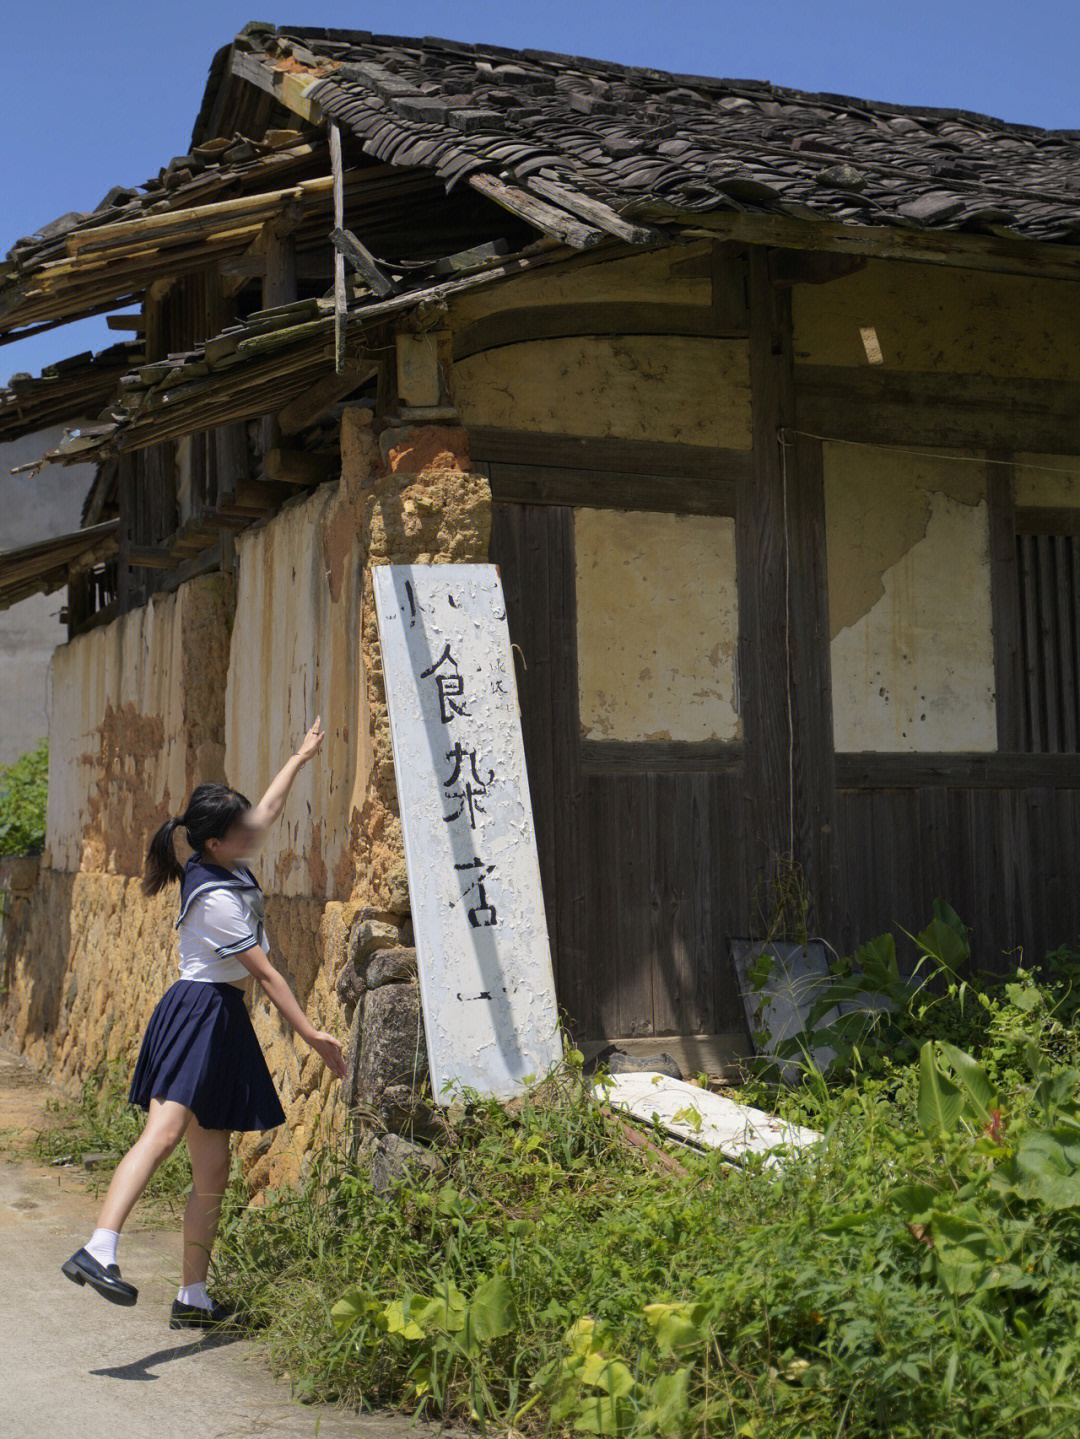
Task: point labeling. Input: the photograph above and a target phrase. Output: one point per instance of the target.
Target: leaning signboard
(482, 950)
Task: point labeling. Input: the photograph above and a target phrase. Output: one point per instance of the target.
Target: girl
(200, 1072)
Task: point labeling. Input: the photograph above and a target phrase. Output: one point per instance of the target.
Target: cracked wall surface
(911, 648)
(657, 625)
(136, 721)
(677, 389)
(208, 684)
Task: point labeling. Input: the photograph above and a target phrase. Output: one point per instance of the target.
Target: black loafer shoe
(194, 1316)
(83, 1268)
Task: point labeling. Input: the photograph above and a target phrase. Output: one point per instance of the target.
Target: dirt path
(75, 1363)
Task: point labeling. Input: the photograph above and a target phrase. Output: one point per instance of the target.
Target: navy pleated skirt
(200, 1048)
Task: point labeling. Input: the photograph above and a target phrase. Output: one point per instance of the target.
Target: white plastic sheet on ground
(700, 1117)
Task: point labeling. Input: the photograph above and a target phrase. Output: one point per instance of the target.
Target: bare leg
(165, 1126)
(209, 1150)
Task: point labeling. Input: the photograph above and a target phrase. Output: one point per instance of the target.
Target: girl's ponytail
(161, 862)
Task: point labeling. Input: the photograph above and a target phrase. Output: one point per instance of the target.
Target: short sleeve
(226, 923)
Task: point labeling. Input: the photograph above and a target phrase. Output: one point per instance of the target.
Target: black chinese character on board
(481, 908)
(451, 686)
(471, 785)
(414, 604)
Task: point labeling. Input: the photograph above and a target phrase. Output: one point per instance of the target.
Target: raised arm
(261, 816)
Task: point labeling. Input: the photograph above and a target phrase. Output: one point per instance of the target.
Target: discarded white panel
(798, 977)
(486, 980)
(701, 1117)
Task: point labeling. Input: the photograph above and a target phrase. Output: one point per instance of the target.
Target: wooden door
(639, 849)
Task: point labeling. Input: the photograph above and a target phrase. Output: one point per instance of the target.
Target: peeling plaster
(909, 589)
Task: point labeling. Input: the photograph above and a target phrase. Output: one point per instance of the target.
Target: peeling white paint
(486, 979)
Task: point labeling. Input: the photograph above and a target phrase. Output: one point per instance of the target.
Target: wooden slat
(362, 261)
(1044, 520)
(1019, 771)
(603, 489)
(339, 258)
(550, 322)
(547, 218)
(1005, 602)
(325, 392)
(1041, 259)
(873, 405)
(620, 456)
(595, 212)
(599, 756)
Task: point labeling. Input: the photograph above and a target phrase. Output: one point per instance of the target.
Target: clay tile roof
(632, 137)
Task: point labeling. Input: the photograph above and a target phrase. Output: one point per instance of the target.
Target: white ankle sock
(194, 1294)
(103, 1246)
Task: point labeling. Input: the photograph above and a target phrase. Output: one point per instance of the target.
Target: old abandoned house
(766, 404)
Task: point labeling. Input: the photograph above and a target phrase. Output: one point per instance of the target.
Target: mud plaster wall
(681, 389)
(87, 958)
(938, 317)
(675, 275)
(136, 720)
(87, 955)
(909, 601)
(1046, 480)
(424, 507)
(295, 654)
(657, 625)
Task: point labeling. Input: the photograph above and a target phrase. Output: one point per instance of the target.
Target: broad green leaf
(667, 1414)
(397, 1323)
(973, 1079)
(678, 1327)
(606, 1414)
(492, 1311)
(945, 943)
(352, 1305)
(1047, 1167)
(940, 1101)
(963, 1248)
(914, 1201)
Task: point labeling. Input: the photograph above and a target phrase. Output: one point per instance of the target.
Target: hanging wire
(930, 455)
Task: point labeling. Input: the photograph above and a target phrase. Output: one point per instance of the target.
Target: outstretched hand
(312, 740)
(331, 1051)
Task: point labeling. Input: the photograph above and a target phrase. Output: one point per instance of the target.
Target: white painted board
(721, 1123)
(482, 949)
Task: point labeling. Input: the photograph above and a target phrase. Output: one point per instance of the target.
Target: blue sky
(104, 94)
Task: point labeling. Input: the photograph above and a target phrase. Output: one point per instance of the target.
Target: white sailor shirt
(218, 921)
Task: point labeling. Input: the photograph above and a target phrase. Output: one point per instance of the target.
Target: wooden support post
(125, 498)
(1004, 599)
(339, 258)
(784, 671)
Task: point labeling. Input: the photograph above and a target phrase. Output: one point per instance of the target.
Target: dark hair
(211, 812)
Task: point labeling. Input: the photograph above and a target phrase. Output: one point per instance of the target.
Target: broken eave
(80, 386)
(260, 365)
(49, 564)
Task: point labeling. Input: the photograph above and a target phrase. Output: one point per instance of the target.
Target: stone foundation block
(391, 966)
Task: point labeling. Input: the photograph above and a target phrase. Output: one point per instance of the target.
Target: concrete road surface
(75, 1364)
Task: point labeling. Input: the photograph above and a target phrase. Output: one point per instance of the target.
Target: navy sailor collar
(200, 875)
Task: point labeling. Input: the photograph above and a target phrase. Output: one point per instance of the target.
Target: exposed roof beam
(286, 88)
